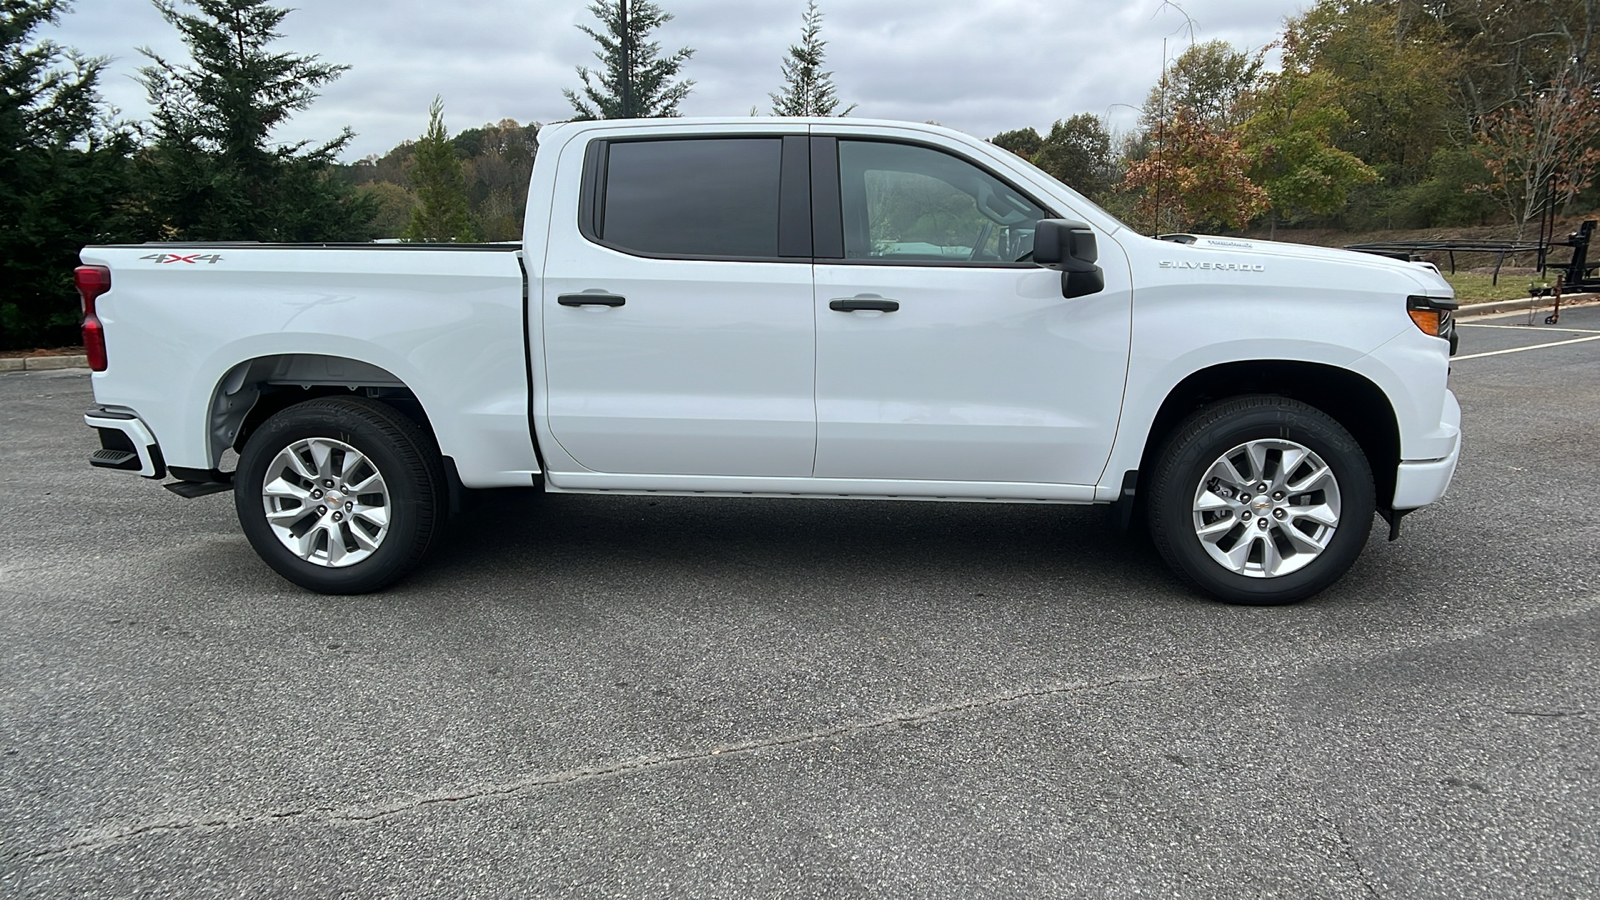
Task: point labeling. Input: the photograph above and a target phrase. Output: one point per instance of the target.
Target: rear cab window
(695, 198)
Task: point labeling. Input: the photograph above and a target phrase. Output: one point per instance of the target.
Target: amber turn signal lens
(1426, 319)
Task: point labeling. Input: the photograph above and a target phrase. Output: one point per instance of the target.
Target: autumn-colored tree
(499, 160)
(1208, 80)
(1541, 148)
(1195, 175)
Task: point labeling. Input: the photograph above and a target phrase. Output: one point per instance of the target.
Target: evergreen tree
(62, 171)
(635, 81)
(214, 171)
(441, 210)
(807, 90)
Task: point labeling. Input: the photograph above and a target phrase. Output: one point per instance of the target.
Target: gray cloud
(982, 67)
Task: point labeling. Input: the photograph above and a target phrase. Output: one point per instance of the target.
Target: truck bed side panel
(448, 324)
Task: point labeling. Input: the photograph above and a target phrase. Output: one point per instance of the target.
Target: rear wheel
(340, 496)
(1261, 500)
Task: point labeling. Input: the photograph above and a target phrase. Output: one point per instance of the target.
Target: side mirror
(1069, 248)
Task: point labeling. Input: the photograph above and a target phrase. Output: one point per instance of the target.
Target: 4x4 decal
(190, 258)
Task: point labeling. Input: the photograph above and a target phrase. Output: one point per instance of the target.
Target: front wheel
(340, 496)
(1261, 500)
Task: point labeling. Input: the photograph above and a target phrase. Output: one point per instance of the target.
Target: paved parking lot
(587, 697)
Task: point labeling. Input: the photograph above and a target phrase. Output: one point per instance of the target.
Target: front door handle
(591, 298)
(863, 302)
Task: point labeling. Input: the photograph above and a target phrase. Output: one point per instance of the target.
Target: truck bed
(444, 321)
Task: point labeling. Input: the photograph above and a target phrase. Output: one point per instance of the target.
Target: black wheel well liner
(1350, 398)
(255, 390)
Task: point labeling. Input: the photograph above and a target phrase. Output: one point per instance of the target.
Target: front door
(678, 329)
(942, 354)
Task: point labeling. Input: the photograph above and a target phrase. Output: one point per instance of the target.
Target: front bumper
(126, 443)
(1419, 483)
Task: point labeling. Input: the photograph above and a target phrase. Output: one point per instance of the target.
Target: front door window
(904, 203)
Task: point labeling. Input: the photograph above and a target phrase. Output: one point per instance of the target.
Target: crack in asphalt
(359, 814)
(1348, 850)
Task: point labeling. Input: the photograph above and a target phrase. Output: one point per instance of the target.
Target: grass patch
(1474, 288)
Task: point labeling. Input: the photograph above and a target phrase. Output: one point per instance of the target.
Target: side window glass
(715, 197)
(902, 202)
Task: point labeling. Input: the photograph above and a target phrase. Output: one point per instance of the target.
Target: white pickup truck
(785, 308)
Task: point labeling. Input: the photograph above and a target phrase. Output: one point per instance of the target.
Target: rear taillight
(93, 281)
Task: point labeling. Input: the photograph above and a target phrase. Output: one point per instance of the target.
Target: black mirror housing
(1081, 284)
(1064, 245)
(1069, 247)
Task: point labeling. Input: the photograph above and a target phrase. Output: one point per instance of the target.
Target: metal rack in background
(1577, 275)
(1409, 250)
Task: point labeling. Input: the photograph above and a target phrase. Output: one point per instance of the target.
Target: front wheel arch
(1349, 398)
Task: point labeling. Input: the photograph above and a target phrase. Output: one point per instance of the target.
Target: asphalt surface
(602, 697)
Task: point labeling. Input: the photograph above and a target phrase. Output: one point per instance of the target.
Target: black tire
(1201, 440)
(400, 451)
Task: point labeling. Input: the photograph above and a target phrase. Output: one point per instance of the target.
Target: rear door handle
(591, 298)
(863, 302)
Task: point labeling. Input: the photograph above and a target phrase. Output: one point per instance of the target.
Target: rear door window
(694, 198)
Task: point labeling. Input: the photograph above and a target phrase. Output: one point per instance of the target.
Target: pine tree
(62, 175)
(635, 81)
(441, 210)
(214, 171)
(807, 90)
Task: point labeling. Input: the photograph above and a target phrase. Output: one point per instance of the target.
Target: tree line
(1379, 114)
(1382, 114)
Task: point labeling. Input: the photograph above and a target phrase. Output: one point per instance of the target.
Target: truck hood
(1426, 275)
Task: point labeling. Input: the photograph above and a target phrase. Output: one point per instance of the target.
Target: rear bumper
(126, 443)
(1422, 482)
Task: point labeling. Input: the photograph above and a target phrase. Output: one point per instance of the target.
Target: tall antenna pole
(1161, 129)
(627, 61)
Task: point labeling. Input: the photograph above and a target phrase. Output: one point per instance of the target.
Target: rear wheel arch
(255, 390)
(1349, 398)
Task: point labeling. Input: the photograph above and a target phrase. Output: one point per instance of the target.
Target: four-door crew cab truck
(785, 308)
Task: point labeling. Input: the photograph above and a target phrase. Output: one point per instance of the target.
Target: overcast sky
(982, 66)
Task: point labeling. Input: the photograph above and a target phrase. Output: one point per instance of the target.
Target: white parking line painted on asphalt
(1582, 340)
(1529, 327)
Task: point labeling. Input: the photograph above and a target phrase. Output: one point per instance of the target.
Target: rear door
(679, 334)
